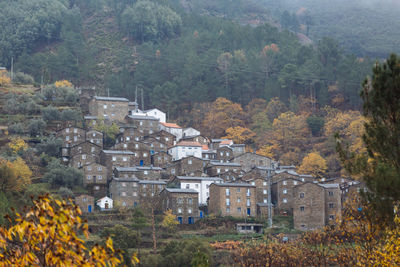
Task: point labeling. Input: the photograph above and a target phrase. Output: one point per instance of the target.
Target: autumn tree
(169, 221)
(268, 57)
(240, 135)
(63, 83)
(313, 164)
(275, 108)
(222, 115)
(380, 168)
(17, 145)
(14, 175)
(47, 235)
(4, 78)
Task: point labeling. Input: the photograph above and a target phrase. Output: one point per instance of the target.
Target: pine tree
(380, 167)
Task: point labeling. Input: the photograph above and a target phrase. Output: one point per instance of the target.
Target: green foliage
(149, 21)
(380, 168)
(123, 237)
(23, 78)
(65, 192)
(20, 104)
(4, 207)
(60, 95)
(36, 127)
(51, 146)
(16, 128)
(50, 113)
(71, 115)
(316, 124)
(57, 174)
(109, 132)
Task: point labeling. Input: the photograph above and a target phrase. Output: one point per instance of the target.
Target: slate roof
(105, 98)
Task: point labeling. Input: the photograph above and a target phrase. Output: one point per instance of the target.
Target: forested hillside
(366, 27)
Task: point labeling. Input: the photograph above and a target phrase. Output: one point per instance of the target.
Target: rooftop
(105, 98)
(179, 190)
(189, 143)
(125, 179)
(152, 182)
(171, 125)
(217, 163)
(124, 152)
(234, 185)
(195, 178)
(329, 185)
(142, 117)
(126, 169)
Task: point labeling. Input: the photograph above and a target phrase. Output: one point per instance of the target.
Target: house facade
(182, 202)
(125, 191)
(110, 108)
(250, 160)
(116, 158)
(85, 203)
(185, 149)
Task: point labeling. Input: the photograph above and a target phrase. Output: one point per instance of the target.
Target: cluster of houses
(158, 161)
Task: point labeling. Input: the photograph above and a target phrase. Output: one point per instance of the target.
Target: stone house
(125, 191)
(190, 132)
(149, 172)
(224, 154)
(282, 193)
(183, 203)
(199, 184)
(315, 205)
(85, 95)
(116, 158)
(105, 203)
(231, 176)
(164, 137)
(250, 160)
(232, 199)
(90, 121)
(127, 134)
(172, 128)
(161, 159)
(149, 191)
(95, 137)
(125, 172)
(154, 145)
(185, 149)
(87, 148)
(189, 166)
(208, 154)
(111, 108)
(141, 152)
(216, 143)
(195, 138)
(71, 136)
(261, 184)
(79, 160)
(216, 168)
(238, 149)
(145, 125)
(95, 179)
(85, 203)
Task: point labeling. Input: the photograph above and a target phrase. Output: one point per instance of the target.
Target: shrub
(23, 78)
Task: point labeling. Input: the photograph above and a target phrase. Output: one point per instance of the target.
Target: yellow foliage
(17, 144)
(169, 221)
(47, 235)
(63, 83)
(22, 172)
(313, 164)
(239, 135)
(4, 78)
(266, 151)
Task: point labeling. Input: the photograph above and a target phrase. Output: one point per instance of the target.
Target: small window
(239, 210)
(238, 190)
(331, 205)
(228, 202)
(301, 195)
(144, 154)
(134, 194)
(123, 194)
(265, 191)
(179, 211)
(187, 186)
(228, 210)
(146, 172)
(284, 191)
(134, 184)
(67, 130)
(124, 159)
(284, 200)
(218, 170)
(302, 208)
(173, 171)
(100, 177)
(227, 192)
(253, 183)
(331, 217)
(67, 138)
(190, 211)
(89, 177)
(180, 201)
(97, 188)
(112, 105)
(265, 200)
(123, 184)
(190, 200)
(83, 156)
(166, 139)
(114, 158)
(330, 193)
(137, 146)
(104, 106)
(89, 168)
(127, 138)
(248, 203)
(140, 122)
(196, 186)
(294, 182)
(99, 168)
(144, 186)
(238, 200)
(284, 182)
(264, 183)
(190, 161)
(75, 130)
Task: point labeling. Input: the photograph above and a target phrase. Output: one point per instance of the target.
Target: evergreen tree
(380, 168)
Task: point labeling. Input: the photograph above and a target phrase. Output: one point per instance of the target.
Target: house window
(144, 186)
(238, 190)
(67, 138)
(264, 183)
(100, 177)
(146, 172)
(180, 201)
(187, 186)
(227, 192)
(302, 179)
(144, 154)
(330, 193)
(104, 106)
(112, 115)
(218, 170)
(294, 182)
(93, 149)
(173, 171)
(134, 184)
(123, 184)
(248, 202)
(125, 159)
(128, 138)
(97, 188)
(265, 200)
(330, 205)
(137, 146)
(123, 194)
(144, 194)
(253, 183)
(99, 168)
(302, 208)
(331, 217)
(190, 162)
(265, 191)
(238, 199)
(239, 210)
(84, 199)
(248, 192)
(83, 156)
(190, 200)
(227, 153)
(89, 168)
(284, 191)
(137, 138)
(89, 177)
(228, 210)
(114, 158)
(179, 211)
(166, 139)
(134, 194)
(75, 138)
(284, 182)
(67, 130)
(190, 211)
(284, 200)
(221, 153)
(140, 122)
(75, 130)
(228, 202)
(301, 195)
(112, 105)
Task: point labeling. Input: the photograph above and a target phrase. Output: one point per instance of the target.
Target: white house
(190, 132)
(105, 203)
(156, 113)
(199, 184)
(172, 128)
(184, 149)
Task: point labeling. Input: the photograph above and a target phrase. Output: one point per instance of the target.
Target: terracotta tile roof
(226, 142)
(205, 147)
(188, 143)
(170, 125)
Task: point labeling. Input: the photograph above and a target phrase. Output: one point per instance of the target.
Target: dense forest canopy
(177, 53)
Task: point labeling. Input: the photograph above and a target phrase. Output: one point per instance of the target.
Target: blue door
(152, 152)
(180, 220)
(89, 208)
(141, 163)
(190, 220)
(248, 211)
(201, 214)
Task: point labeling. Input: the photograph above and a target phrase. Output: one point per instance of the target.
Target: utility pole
(108, 92)
(136, 100)
(269, 196)
(12, 68)
(142, 100)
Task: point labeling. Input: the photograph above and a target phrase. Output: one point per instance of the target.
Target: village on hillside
(179, 169)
